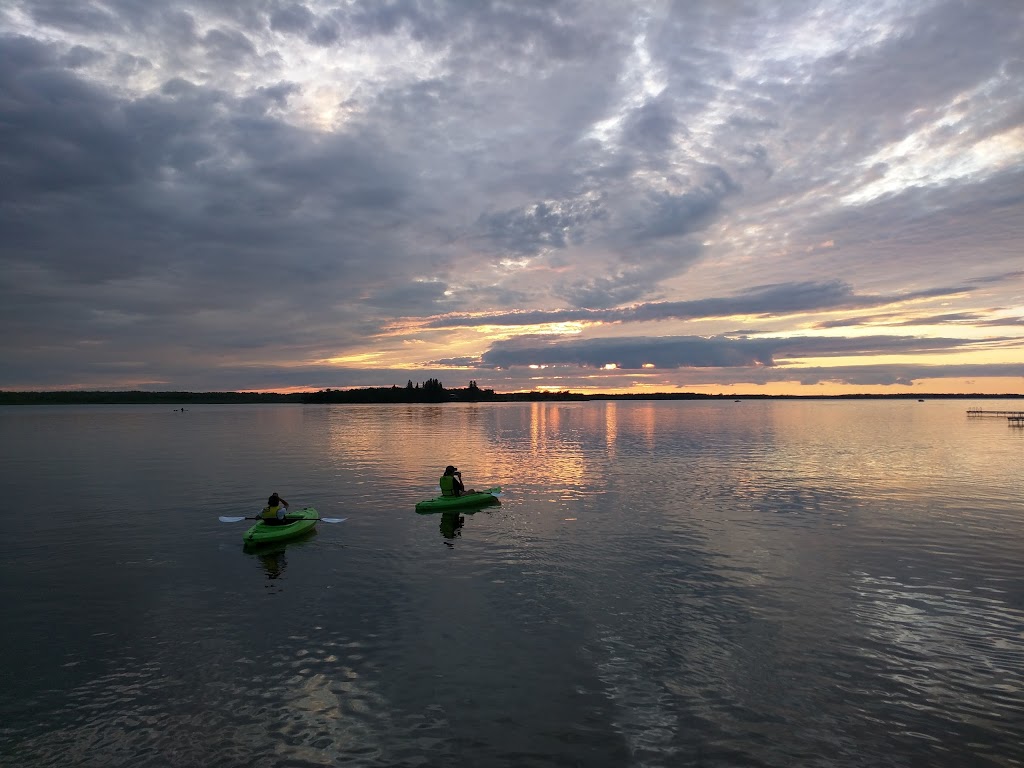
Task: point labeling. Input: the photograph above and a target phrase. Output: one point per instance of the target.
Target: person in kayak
(451, 482)
(274, 512)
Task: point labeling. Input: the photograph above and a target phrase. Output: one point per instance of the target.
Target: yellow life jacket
(270, 513)
(447, 485)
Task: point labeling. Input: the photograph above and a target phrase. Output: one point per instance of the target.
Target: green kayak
(261, 533)
(443, 503)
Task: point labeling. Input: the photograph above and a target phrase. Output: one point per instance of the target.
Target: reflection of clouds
(329, 705)
(294, 704)
(793, 501)
(646, 713)
(712, 609)
(943, 647)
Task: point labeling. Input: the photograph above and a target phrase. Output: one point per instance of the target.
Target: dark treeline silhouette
(129, 397)
(430, 391)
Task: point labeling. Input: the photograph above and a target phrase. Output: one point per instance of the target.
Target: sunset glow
(596, 198)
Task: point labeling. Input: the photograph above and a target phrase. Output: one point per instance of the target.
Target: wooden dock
(1008, 414)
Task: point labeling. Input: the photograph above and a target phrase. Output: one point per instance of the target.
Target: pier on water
(1013, 418)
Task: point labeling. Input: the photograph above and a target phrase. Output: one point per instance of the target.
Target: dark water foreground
(663, 584)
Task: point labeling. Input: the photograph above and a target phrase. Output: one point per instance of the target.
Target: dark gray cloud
(74, 17)
(630, 353)
(81, 56)
(295, 17)
(674, 215)
(264, 186)
(625, 284)
(701, 352)
(542, 225)
(325, 34)
(230, 46)
(877, 375)
(652, 127)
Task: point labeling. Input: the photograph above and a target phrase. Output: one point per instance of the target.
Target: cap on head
(274, 500)
(450, 469)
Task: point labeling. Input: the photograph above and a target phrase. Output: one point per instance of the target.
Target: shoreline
(400, 396)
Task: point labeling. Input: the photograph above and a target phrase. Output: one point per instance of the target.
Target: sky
(711, 196)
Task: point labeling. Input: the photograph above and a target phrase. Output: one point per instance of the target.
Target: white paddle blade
(333, 519)
(224, 519)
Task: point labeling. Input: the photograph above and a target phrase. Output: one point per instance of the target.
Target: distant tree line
(138, 397)
(430, 391)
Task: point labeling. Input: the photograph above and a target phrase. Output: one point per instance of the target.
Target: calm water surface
(765, 583)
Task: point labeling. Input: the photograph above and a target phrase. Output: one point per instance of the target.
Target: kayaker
(274, 512)
(451, 482)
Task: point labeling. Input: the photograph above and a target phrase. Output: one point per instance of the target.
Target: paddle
(225, 519)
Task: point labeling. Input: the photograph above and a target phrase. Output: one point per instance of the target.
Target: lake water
(763, 583)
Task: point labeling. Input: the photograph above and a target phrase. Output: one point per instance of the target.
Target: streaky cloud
(762, 301)
(897, 320)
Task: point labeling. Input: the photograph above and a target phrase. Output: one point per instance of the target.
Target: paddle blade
(333, 519)
(224, 519)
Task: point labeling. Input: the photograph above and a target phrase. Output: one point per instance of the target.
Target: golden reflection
(646, 423)
(555, 449)
(611, 427)
(358, 435)
(408, 446)
(538, 417)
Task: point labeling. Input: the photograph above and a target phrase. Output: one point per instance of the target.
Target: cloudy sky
(709, 196)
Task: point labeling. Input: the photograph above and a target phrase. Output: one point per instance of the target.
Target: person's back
(274, 512)
(451, 482)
